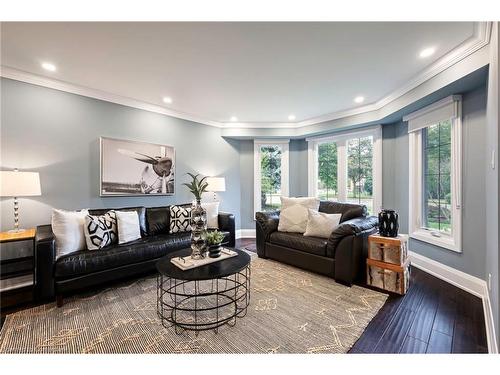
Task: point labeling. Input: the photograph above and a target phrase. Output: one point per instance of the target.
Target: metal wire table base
(201, 305)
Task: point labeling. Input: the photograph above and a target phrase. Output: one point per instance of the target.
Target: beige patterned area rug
(290, 311)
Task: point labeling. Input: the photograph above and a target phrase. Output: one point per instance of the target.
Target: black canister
(388, 224)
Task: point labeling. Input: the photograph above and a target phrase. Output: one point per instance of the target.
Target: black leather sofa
(55, 278)
(342, 256)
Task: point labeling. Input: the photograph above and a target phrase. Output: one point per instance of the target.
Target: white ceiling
(259, 72)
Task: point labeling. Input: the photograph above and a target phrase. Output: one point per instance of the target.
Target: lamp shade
(19, 184)
(216, 184)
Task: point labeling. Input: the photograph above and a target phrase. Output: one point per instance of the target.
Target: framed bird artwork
(136, 168)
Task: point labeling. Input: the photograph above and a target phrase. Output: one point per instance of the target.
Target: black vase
(388, 224)
(214, 251)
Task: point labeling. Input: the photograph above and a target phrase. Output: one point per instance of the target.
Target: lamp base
(16, 231)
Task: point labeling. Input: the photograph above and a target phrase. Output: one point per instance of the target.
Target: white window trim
(341, 140)
(453, 242)
(285, 157)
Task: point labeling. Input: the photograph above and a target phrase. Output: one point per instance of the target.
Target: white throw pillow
(321, 224)
(212, 209)
(294, 214)
(128, 226)
(68, 229)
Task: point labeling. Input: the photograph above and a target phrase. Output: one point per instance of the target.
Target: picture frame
(135, 168)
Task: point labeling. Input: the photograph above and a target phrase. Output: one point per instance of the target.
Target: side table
(388, 265)
(16, 267)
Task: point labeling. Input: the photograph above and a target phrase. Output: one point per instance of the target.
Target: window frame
(285, 157)
(341, 139)
(451, 242)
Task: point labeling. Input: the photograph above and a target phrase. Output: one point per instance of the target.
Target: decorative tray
(187, 263)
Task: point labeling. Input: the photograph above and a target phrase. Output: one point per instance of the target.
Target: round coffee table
(205, 297)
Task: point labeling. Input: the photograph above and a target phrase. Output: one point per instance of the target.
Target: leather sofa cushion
(87, 261)
(141, 212)
(348, 210)
(297, 241)
(158, 220)
(152, 247)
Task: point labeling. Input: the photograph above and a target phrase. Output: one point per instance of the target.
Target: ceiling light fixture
(234, 118)
(427, 52)
(291, 118)
(49, 66)
(359, 99)
(167, 100)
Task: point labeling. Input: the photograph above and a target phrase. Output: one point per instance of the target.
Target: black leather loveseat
(83, 269)
(342, 256)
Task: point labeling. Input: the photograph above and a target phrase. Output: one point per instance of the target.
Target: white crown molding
(462, 280)
(480, 38)
(19, 75)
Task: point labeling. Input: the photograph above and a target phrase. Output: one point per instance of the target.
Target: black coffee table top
(210, 271)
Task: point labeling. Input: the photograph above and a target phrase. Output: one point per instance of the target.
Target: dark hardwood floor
(433, 317)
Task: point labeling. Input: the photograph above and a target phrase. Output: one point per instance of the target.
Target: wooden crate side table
(388, 276)
(388, 249)
(388, 266)
(17, 267)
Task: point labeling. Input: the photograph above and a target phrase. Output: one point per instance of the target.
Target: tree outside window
(360, 171)
(270, 162)
(327, 171)
(437, 177)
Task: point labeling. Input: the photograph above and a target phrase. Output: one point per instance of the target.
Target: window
(437, 177)
(435, 173)
(270, 174)
(327, 171)
(359, 171)
(347, 167)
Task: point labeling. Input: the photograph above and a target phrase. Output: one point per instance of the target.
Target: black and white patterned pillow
(101, 231)
(180, 219)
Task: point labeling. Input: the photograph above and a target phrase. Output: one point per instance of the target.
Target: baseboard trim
(245, 233)
(462, 280)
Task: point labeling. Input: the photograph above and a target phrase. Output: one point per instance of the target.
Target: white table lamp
(19, 184)
(216, 184)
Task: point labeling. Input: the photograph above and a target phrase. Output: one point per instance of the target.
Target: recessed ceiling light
(359, 99)
(291, 117)
(167, 100)
(234, 118)
(427, 52)
(49, 66)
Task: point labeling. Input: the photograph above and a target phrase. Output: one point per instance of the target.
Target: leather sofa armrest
(348, 244)
(227, 223)
(45, 258)
(265, 224)
(353, 227)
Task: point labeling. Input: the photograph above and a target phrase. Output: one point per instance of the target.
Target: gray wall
(246, 168)
(57, 134)
(298, 176)
(395, 192)
(298, 168)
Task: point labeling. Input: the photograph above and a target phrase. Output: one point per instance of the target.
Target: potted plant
(197, 187)
(214, 240)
